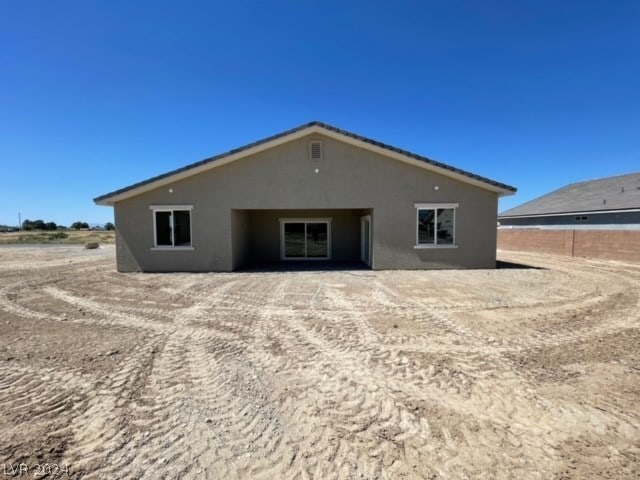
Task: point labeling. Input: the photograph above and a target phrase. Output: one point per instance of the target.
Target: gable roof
(295, 133)
(621, 192)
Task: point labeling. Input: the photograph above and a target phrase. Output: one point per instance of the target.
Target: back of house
(313, 193)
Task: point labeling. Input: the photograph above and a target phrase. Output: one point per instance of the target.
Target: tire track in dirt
(354, 401)
(46, 401)
(162, 413)
(248, 425)
(353, 405)
(100, 429)
(617, 299)
(511, 387)
(295, 375)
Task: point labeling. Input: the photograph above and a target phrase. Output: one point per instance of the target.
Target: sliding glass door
(318, 240)
(305, 239)
(294, 240)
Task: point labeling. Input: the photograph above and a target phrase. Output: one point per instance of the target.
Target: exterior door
(365, 239)
(305, 239)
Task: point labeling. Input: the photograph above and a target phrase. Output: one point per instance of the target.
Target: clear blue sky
(96, 95)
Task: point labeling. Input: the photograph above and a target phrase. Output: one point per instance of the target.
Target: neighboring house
(311, 193)
(611, 203)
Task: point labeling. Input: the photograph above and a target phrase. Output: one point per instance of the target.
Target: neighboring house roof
(298, 132)
(602, 195)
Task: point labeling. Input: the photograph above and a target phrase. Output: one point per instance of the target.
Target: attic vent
(315, 150)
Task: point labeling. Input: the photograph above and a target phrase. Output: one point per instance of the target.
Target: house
(312, 193)
(593, 219)
(611, 203)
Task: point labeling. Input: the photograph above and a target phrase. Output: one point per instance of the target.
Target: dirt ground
(527, 373)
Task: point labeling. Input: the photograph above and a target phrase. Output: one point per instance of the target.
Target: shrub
(58, 236)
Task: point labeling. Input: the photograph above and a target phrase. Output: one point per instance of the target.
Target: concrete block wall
(557, 242)
(623, 245)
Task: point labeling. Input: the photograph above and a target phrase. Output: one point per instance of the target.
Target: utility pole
(19, 221)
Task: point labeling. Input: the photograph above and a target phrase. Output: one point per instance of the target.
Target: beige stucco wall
(284, 178)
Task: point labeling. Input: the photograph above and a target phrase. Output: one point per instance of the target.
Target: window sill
(169, 248)
(420, 247)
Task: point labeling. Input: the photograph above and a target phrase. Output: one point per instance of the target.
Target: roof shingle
(611, 193)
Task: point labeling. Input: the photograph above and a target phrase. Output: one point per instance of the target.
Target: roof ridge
(611, 177)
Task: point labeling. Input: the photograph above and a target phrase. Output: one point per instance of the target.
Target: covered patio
(301, 238)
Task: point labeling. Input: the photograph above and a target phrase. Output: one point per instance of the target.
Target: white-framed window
(436, 225)
(172, 227)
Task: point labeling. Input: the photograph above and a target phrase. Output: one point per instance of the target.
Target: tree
(78, 225)
(39, 225)
(33, 225)
(109, 226)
